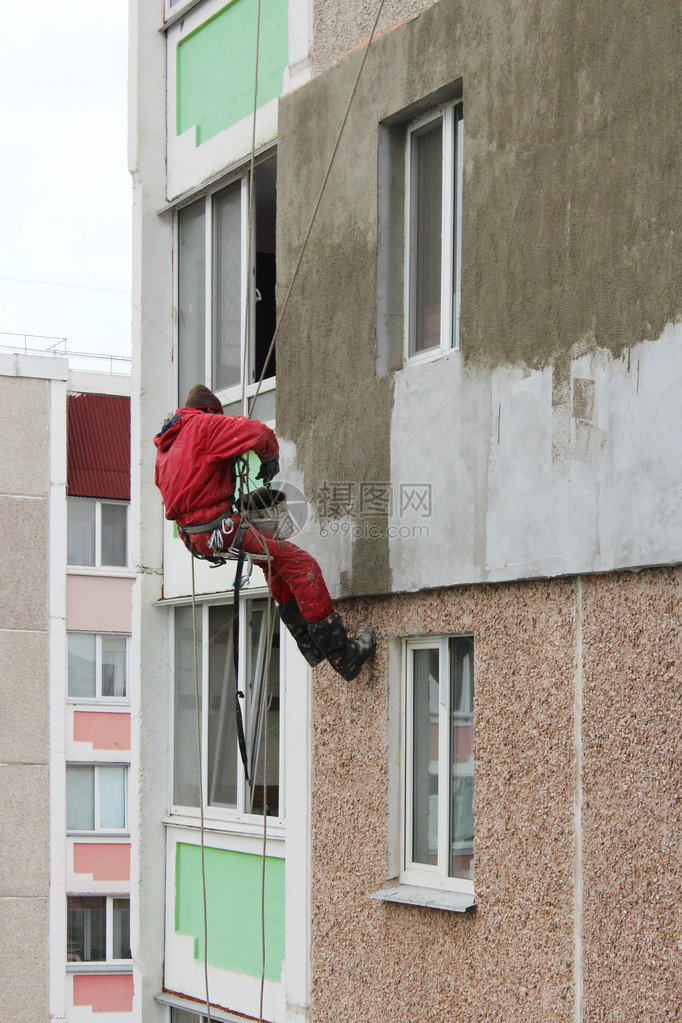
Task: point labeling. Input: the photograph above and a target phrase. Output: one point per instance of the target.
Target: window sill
(117, 966)
(103, 702)
(112, 571)
(428, 356)
(222, 826)
(178, 11)
(190, 1005)
(125, 835)
(431, 898)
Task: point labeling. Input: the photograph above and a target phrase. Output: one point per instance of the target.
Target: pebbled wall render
(573, 920)
(632, 812)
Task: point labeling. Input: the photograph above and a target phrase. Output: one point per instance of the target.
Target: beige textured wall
(339, 25)
(512, 960)
(24, 736)
(632, 814)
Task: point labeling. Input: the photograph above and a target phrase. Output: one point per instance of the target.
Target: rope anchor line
(270, 617)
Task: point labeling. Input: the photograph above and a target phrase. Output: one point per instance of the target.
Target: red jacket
(193, 453)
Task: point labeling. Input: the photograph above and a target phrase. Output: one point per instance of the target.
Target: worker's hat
(200, 397)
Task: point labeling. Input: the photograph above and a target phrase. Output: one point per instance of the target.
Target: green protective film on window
(215, 66)
(233, 890)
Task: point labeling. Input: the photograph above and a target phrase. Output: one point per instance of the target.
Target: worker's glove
(268, 471)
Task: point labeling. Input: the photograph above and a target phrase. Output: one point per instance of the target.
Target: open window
(215, 301)
(228, 794)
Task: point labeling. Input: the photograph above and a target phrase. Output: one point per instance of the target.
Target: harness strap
(206, 527)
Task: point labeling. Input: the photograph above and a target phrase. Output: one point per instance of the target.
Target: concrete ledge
(432, 898)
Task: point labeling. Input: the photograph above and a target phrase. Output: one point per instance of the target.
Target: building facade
(65, 733)
(478, 354)
(99, 585)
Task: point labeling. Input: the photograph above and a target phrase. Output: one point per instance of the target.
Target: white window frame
(97, 828)
(228, 819)
(412, 873)
(108, 929)
(452, 118)
(98, 534)
(109, 700)
(232, 394)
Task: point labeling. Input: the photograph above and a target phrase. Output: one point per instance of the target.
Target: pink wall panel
(98, 603)
(106, 861)
(105, 992)
(103, 730)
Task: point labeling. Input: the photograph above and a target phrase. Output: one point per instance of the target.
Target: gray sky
(66, 209)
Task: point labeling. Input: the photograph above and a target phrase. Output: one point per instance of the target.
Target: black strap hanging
(235, 649)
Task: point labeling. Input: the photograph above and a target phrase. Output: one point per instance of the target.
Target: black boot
(345, 655)
(290, 614)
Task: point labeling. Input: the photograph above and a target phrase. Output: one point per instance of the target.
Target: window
(438, 758)
(184, 1016)
(96, 797)
(433, 174)
(226, 790)
(420, 170)
(212, 285)
(97, 929)
(97, 533)
(97, 666)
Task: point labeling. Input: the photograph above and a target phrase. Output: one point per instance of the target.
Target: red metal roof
(98, 446)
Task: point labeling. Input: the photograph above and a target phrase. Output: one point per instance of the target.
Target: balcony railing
(34, 344)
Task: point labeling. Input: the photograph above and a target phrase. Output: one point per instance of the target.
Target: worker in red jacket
(194, 472)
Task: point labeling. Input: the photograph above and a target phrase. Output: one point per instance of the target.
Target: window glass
(80, 545)
(222, 726)
(121, 929)
(227, 329)
(183, 1016)
(80, 798)
(462, 762)
(257, 712)
(191, 295)
(425, 689)
(86, 929)
(113, 666)
(427, 191)
(114, 534)
(226, 786)
(112, 784)
(81, 667)
(185, 768)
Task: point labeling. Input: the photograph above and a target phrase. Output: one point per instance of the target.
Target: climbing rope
(249, 243)
(201, 792)
(243, 476)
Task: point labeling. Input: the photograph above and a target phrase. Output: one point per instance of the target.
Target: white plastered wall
(533, 476)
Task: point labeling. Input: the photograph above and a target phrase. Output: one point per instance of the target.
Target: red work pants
(293, 573)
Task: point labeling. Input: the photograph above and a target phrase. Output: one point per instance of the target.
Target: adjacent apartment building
(65, 733)
(465, 218)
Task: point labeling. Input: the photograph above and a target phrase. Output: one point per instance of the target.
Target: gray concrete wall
(569, 275)
(577, 816)
(24, 724)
